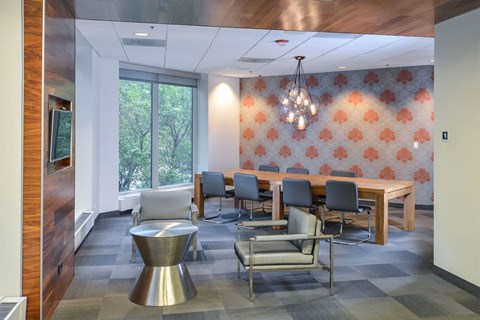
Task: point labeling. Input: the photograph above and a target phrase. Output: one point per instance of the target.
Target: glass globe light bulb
(290, 117)
(301, 123)
(298, 100)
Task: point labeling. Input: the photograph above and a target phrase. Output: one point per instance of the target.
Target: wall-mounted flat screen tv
(60, 134)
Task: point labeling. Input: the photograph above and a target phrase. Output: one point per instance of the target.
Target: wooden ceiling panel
(388, 17)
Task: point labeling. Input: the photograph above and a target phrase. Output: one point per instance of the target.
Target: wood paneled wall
(406, 17)
(48, 199)
(32, 157)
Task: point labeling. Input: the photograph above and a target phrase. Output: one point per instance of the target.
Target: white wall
(96, 171)
(107, 139)
(85, 125)
(11, 90)
(201, 138)
(457, 170)
(223, 123)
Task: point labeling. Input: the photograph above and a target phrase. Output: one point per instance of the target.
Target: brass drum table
(164, 279)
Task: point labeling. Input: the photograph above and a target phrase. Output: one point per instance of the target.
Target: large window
(174, 135)
(156, 146)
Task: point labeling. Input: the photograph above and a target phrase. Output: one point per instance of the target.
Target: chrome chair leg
(346, 243)
(210, 219)
(250, 287)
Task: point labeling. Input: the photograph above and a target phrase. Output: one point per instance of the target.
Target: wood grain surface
(392, 17)
(48, 200)
(59, 183)
(32, 157)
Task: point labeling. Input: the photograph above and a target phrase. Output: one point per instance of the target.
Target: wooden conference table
(374, 189)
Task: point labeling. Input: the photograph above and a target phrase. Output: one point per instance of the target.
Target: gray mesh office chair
(343, 196)
(214, 186)
(347, 174)
(298, 193)
(298, 170)
(267, 193)
(264, 167)
(246, 188)
(343, 173)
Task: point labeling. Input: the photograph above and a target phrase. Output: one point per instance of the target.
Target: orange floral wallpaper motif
(369, 123)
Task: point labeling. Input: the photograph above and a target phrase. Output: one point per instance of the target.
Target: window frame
(156, 77)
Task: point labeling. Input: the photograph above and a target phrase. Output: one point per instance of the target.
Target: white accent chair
(160, 206)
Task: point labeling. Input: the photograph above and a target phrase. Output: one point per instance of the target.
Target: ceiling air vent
(143, 42)
(331, 35)
(255, 60)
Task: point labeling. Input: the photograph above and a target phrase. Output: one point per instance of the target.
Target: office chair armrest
(322, 237)
(262, 223)
(280, 237)
(136, 210)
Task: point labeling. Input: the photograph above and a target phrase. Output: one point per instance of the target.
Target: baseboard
(83, 225)
(108, 214)
(456, 280)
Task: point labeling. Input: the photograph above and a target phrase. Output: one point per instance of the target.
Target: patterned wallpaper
(369, 122)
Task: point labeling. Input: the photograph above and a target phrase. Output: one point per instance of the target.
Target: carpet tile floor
(394, 281)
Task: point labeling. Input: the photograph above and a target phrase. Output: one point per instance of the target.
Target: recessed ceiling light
(342, 67)
(432, 60)
(141, 34)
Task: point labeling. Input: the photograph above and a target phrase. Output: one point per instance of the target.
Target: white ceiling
(229, 51)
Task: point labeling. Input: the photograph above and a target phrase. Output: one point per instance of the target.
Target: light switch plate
(444, 135)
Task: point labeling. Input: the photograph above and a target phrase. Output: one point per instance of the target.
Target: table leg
(277, 204)
(381, 219)
(409, 211)
(198, 197)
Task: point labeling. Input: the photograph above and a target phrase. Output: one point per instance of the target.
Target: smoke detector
(281, 42)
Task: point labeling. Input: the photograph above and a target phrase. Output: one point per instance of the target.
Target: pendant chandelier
(296, 103)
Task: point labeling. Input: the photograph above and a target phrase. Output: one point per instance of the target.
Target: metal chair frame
(214, 186)
(315, 265)
(343, 196)
(246, 188)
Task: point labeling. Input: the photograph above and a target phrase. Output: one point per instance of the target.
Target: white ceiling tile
(359, 46)
(402, 46)
(315, 47)
(228, 47)
(147, 56)
(102, 37)
(268, 49)
(186, 46)
(218, 50)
